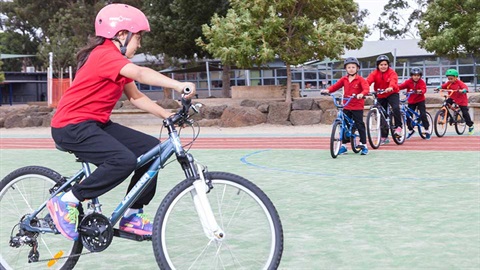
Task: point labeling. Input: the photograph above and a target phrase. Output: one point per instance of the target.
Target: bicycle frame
(409, 113)
(159, 154)
(347, 122)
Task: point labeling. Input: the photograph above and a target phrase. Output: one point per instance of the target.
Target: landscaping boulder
(278, 113)
(241, 116)
(305, 117)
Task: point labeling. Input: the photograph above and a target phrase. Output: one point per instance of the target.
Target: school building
(23, 87)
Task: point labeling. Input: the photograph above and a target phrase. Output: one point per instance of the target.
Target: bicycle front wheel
(374, 128)
(460, 124)
(22, 192)
(441, 122)
(399, 138)
(336, 138)
(253, 231)
(421, 129)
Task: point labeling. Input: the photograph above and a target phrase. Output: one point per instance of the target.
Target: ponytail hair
(84, 52)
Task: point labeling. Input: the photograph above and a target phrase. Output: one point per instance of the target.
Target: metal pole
(208, 79)
(49, 79)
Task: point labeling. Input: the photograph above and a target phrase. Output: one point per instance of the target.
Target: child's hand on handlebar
(389, 89)
(188, 89)
(360, 96)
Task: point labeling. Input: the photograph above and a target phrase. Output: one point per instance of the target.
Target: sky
(375, 7)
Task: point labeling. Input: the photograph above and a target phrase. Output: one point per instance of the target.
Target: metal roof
(399, 48)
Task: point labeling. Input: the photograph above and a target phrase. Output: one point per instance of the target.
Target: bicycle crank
(96, 232)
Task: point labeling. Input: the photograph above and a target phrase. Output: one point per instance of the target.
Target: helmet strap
(123, 46)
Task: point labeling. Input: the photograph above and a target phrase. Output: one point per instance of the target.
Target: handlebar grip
(187, 90)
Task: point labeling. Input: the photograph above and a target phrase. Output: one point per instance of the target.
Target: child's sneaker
(410, 133)
(343, 150)
(471, 130)
(384, 141)
(398, 131)
(364, 150)
(427, 135)
(137, 224)
(65, 216)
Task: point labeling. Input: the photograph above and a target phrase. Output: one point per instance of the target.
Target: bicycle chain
(65, 257)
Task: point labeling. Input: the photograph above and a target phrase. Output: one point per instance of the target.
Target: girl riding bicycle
(82, 122)
(353, 83)
(459, 96)
(385, 78)
(417, 86)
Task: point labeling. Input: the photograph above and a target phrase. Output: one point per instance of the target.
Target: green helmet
(451, 72)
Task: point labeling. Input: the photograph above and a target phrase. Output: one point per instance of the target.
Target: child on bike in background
(353, 83)
(417, 86)
(82, 125)
(459, 96)
(385, 78)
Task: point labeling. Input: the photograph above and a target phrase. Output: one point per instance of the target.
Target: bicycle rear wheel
(440, 123)
(21, 192)
(460, 124)
(398, 139)
(421, 128)
(355, 140)
(336, 138)
(253, 231)
(374, 128)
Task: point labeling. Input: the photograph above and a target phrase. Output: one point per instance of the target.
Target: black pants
(114, 149)
(357, 116)
(466, 115)
(423, 114)
(394, 101)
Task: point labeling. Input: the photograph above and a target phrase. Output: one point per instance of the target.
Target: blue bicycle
(412, 118)
(343, 127)
(210, 220)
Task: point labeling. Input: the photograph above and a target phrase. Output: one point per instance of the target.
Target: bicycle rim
(373, 128)
(253, 231)
(399, 139)
(421, 128)
(336, 139)
(355, 140)
(460, 124)
(441, 122)
(21, 192)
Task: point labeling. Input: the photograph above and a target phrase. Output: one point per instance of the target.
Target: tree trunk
(226, 93)
(288, 94)
(167, 93)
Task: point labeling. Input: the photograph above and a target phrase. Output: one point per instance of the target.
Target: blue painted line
(342, 176)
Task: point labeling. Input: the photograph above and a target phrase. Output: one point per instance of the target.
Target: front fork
(202, 186)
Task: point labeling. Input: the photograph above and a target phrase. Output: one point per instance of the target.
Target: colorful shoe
(343, 150)
(364, 150)
(410, 133)
(65, 216)
(427, 136)
(137, 224)
(398, 131)
(384, 141)
(471, 130)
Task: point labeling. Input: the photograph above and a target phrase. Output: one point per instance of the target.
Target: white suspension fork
(204, 210)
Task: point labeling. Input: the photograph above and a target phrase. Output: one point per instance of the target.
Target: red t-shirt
(384, 80)
(459, 98)
(410, 85)
(96, 89)
(357, 86)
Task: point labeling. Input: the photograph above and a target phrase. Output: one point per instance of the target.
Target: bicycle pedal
(131, 236)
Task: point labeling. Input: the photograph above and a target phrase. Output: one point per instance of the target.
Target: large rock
(241, 116)
(212, 112)
(168, 103)
(305, 117)
(325, 104)
(278, 113)
(303, 104)
(329, 116)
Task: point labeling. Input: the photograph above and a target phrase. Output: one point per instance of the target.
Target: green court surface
(386, 210)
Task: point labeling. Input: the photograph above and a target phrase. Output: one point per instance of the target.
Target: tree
(175, 24)
(451, 28)
(2, 75)
(393, 25)
(254, 32)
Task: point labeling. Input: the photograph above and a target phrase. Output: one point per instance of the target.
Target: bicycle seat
(68, 151)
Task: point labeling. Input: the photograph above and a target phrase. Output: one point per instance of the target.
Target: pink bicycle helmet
(116, 17)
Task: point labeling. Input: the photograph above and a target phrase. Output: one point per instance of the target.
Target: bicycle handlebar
(335, 98)
(181, 117)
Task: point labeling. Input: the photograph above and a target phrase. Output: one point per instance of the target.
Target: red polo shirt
(96, 89)
(357, 86)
